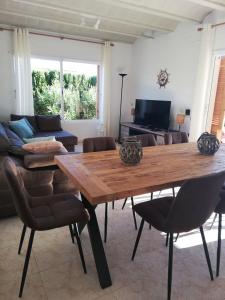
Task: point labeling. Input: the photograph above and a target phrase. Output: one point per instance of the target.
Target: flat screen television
(155, 114)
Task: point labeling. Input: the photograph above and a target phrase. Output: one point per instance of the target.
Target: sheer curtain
(22, 66)
(200, 99)
(104, 127)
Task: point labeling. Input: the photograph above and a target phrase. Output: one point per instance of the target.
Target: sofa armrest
(34, 161)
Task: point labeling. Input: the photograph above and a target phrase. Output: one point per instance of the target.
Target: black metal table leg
(97, 246)
(81, 226)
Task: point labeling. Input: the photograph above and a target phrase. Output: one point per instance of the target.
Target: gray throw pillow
(4, 141)
(15, 142)
(49, 123)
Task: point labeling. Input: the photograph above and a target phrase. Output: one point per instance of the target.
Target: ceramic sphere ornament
(131, 151)
(208, 143)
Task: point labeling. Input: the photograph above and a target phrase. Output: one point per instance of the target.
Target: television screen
(152, 113)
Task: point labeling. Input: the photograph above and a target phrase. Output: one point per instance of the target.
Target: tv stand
(129, 129)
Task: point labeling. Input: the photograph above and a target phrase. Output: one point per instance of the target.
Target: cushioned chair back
(175, 138)
(195, 202)
(19, 193)
(98, 144)
(147, 140)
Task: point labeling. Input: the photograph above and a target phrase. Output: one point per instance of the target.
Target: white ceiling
(115, 20)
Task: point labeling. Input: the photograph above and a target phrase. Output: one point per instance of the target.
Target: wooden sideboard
(129, 129)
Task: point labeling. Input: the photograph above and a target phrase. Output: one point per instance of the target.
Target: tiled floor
(56, 273)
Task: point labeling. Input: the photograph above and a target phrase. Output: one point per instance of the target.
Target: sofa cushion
(43, 160)
(44, 147)
(21, 128)
(49, 123)
(31, 119)
(62, 136)
(4, 141)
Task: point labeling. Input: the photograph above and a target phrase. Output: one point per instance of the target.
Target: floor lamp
(121, 100)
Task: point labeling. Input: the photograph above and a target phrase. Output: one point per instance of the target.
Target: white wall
(178, 53)
(52, 47)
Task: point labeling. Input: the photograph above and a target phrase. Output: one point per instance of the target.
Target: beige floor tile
(33, 289)
(56, 273)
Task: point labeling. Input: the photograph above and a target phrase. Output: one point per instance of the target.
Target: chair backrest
(19, 192)
(175, 138)
(147, 140)
(98, 144)
(195, 202)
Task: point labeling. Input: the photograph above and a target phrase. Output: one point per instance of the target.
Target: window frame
(98, 85)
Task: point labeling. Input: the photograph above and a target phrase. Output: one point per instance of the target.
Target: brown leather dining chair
(100, 144)
(176, 137)
(147, 140)
(42, 213)
(220, 211)
(193, 205)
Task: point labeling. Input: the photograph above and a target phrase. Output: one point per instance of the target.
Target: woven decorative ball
(208, 144)
(131, 151)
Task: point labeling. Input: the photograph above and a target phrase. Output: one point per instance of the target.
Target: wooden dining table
(102, 177)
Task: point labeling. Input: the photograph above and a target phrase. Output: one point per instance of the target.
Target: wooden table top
(102, 177)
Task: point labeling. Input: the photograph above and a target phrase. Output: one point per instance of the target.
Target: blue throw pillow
(21, 128)
(28, 124)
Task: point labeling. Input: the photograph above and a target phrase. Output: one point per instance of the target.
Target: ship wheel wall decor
(163, 78)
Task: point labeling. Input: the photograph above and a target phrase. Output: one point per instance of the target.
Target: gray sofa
(49, 126)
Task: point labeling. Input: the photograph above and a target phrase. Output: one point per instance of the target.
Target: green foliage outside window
(79, 94)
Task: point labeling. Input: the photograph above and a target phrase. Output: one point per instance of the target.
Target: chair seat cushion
(62, 136)
(220, 209)
(57, 211)
(155, 211)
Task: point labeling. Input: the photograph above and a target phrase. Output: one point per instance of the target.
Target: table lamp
(180, 119)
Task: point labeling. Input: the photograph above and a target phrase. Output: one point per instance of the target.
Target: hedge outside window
(65, 87)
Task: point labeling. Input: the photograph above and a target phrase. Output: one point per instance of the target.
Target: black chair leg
(214, 219)
(138, 238)
(177, 237)
(134, 216)
(173, 192)
(219, 245)
(151, 196)
(106, 222)
(206, 253)
(170, 266)
(71, 233)
(113, 204)
(80, 248)
(167, 239)
(22, 238)
(124, 203)
(26, 263)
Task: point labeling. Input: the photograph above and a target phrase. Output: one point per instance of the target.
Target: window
(65, 87)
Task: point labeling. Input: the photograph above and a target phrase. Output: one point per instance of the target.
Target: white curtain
(200, 98)
(22, 66)
(106, 91)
